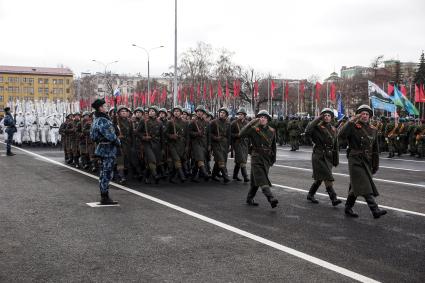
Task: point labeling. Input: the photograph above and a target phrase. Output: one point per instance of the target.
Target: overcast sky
(294, 39)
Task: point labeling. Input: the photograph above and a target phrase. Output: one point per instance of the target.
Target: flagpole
(175, 55)
(298, 97)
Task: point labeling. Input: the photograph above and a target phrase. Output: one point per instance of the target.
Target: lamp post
(106, 66)
(148, 54)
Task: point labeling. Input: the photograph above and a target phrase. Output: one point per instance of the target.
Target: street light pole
(175, 55)
(148, 55)
(106, 66)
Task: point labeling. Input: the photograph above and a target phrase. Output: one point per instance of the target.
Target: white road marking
(346, 175)
(343, 154)
(288, 250)
(97, 204)
(362, 202)
(345, 162)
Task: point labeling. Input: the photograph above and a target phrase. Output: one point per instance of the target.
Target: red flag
(126, 100)
(301, 88)
(256, 89)
(236, 88)
(227, 90)
(81, 104)
(211, 91)
(403, 90)
(198, 92)
(192, 91)
(205, 91)
(179, 95)
(318, 87)
(272, 87)
(419, 93)
(333, 92)
(390, 89)
(184, 94)
(164, 95)
(219, 90)
(286, 91)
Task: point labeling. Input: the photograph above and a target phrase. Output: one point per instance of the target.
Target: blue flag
(340, 106)
(405, 103)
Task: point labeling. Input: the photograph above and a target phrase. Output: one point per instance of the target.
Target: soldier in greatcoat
(325, 154)
(240, 146)
(263, 156)
(363, 160)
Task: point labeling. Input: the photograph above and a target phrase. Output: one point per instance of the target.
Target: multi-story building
(30, 83)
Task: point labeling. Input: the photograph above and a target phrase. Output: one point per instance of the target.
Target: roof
(36, 70)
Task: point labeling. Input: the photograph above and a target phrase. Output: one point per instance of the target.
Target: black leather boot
(204, 172)
(313, 189)
(376, 212)
(251, 202)
(236, 173)
(332, 196)
(226, 178)
(351, 199)
(106, 200)
(214, 175)
(181, 175)
(244, 174)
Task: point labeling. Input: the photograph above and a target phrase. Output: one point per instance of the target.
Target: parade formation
(155, 145)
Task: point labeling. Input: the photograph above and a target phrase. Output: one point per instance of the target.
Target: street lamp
(147, 53)
(106, 66)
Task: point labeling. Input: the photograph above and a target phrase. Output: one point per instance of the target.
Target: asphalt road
(205, 232)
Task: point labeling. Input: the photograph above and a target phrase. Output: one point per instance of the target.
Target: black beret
(6, 109)
(97, 103)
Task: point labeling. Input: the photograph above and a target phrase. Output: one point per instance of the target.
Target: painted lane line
(285, 249)
(346, 175)
(97, 204)
(362, 202)
(344, 154)
(345, 162)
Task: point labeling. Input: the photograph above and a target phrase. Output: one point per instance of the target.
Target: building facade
(31, 83)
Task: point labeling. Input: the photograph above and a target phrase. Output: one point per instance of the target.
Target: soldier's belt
(360, 152)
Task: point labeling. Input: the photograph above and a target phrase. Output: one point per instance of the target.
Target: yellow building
(32, 83)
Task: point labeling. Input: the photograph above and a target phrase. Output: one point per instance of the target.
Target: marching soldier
(420, 139)
(240, 146)
(75, 140)
(325, 154)
(83, 130)
(220, 143)
(137, 152)
(281, 130)
(294, 130)
(103, 133)
(198, 133)
(125, 134)
(391, 137)
(263, 156)
(176, 133)
(363, 160)
(151, 133)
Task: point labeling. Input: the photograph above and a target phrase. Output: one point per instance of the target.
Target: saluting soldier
(151, 133)
(198, 133)
(263, 156)
(363, 160)
(220, 143)
(103, 133)
(325, 154)
(240, 146)
(177, 137)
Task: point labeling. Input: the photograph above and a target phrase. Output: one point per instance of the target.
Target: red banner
(318, 87)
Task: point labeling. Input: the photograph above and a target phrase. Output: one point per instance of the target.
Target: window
(67, 82)
(11, 98)
(46, 81)
(67, 90)
(13, 79)
(29, 90)
(60, 82)
(13, 89)
(1, 79)
(1, 98)
(28, 80)
(58, 91)
(1, 89)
